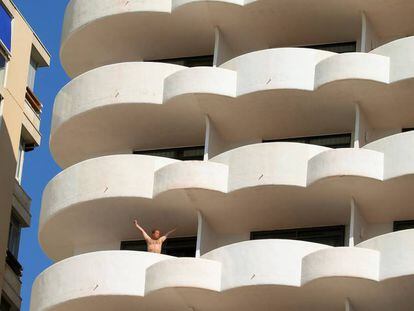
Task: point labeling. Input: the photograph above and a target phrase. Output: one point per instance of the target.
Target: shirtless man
(155, 241)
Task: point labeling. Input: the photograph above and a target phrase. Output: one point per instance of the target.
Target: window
(20, 161)
(403, 225)
(333, 236)
(3, 63)
(14, 236)
(4, 304)
(5, 41)
(178, 247)
(13, 246)
(183, 154)
(194, 61)
(331, 141)
(343, 47)
(32, 74)
(5, 28)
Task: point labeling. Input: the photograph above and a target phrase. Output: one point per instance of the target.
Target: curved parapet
(200, 80)
(270, 164)
(346, 162)
(285, 92)
(397, 253)
(401, 59)
(262, 262)
(192, 175)
(94, 281)
(102, 32)
(398, 154)
(280, 69)
(352, 66)
(340, 262)
(201, 274)
(242, 276)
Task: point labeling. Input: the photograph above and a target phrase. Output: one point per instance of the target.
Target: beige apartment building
(21, 54)
(276, 135)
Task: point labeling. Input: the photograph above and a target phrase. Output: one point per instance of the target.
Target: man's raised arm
(144, 234)
(168, 233)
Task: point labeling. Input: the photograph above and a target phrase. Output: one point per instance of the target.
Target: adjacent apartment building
(277, 136)
(21, 55)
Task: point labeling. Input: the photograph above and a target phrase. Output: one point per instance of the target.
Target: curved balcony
(102, 32)
(104, 104)
(292, 275)
(288, 92)
(98, 194)
(95, 281)
(290, 185)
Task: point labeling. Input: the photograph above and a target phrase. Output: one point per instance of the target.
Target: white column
(361, 128)
(357, 226)
(369, 39)
(348, 305)
(199, 233)
(206, 237)
(222, 50)
(214, 143)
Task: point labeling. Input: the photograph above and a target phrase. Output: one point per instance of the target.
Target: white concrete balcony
(102, 32)
(288, 92)
(254, 275)
(289, 185)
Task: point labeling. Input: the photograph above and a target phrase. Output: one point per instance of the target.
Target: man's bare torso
(155, 246)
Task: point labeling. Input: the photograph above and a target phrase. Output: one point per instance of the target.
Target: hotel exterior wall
(258, 90)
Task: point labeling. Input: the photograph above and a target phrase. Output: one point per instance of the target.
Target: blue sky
(45, 17)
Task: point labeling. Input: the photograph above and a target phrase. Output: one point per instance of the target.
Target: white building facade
(276, 135)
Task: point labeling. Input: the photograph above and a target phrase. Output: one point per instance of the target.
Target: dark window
(5, 27)
(403, 225)
(333, 236)
(331, 141)
(4, 304)
(14, 264)
(194, 61)
(14, 236)
(343, 47)
(407, 129)
(178, 247)
(3, 63)
(184, 154)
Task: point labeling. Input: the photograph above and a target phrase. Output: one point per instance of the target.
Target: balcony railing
(33, 101)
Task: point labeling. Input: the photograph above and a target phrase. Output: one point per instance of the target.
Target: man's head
(156, 234)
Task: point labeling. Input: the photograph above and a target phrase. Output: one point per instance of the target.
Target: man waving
(155, 241)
